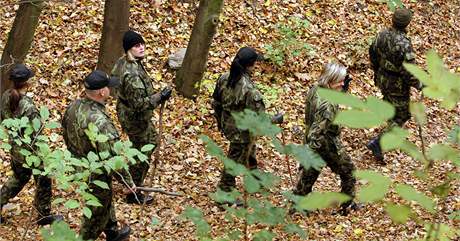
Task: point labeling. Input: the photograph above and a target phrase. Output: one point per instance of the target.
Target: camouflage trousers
(140, 133)
(103, 218)
(238, 152)
(339, 162)
(402, 113)
(21, 176)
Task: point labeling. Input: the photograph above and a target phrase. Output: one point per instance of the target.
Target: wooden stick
(159, 190)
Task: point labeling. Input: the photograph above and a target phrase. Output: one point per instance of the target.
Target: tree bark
(19, 39)
(189, 76)
(116, 23)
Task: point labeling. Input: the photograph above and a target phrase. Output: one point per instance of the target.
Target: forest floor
(65, 49)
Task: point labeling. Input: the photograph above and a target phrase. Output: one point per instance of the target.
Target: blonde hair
(332, 73)
(130, 56)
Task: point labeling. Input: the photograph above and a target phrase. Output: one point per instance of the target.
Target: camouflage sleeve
(29, 110)
(373, 55)
(409, 57)
(136, 95)
(217, 104)
(254, 101)
(323, 129)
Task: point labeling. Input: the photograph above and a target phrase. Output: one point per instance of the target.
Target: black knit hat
(402, 18)
(131, 38)
(99, 79)
(20, 73)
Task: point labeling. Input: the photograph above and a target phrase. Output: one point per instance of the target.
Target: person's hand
(278, 118)
(165, 94)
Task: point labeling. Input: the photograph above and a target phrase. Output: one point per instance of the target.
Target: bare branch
(159, 190)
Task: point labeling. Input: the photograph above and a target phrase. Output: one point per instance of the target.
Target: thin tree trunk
(189, 76)
(116, 23)
(19, 39)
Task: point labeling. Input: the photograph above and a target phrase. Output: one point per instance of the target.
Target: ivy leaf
(410, 194)
(377, 188)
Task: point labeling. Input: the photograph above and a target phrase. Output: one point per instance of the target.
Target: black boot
(349, 206)
(45, 220)
(374, 146)
(141, 198)
(118, 235)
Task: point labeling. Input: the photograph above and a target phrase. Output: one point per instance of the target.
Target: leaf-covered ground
(65, 50)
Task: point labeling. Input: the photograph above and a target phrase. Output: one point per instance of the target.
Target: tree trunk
(19, 39)
(189, 76)
(116, 22)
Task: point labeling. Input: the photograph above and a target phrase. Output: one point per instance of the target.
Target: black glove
(278, 118)
(165, 94)
(346, 83)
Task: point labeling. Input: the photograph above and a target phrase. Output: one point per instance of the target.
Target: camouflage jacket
(76, 120)
(228, 100)
(389, 50)
(135, 90)
(319, 115)
(26, 108)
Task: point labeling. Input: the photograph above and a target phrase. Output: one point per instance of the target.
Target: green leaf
(93, 202)
(71, 204)
(303, 154)
(59, 231)
(410, 194)
(197, 218)
(251, 185)
(341, 98)
(44, 113)
(258, 124)
(36, 124)
(101, 184)
(102, 138)
(147, 148)
(53, 125)
(264, 235)
(295, 229)
(87, 212)
(5, 146)
(377, 188)
(444, 152)
(418, 110)
(398, 213)
(58, 200)
(317, 200)
(358, 119)
(155, 221)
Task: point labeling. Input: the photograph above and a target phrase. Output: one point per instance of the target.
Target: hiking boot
(374, 146)
(347, 207)
(141, 198)
(45, 220)
(118, 235)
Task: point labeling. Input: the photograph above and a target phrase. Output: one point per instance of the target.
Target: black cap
(99, 79)
(20, 73)
(131, 38)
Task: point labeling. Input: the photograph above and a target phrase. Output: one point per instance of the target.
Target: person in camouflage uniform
(136, 101)
(322, 136)
(389, 50)
(235, 92)
(17, 105)
(75, 122)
